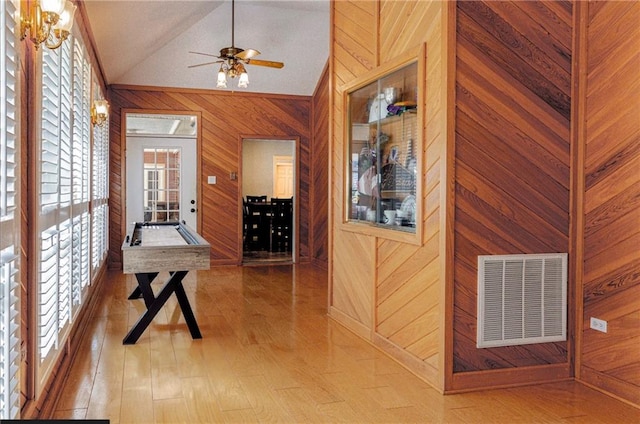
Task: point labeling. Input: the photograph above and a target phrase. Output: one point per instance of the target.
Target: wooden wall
(512, 160)
(390, 292)
(354, 51)
(611, 239)
(539, 153)
(319, 211)
(227, 117)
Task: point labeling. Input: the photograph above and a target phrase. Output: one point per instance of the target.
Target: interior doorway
(161, 168)
(269, 177)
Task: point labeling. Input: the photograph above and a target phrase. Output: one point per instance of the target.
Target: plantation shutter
(81, 174)
(55, 291)
(50, 134)
(100, 191)
(9, 225)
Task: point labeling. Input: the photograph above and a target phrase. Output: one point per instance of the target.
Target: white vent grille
(522, 299)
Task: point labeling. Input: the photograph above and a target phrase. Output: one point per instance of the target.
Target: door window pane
(161, 189)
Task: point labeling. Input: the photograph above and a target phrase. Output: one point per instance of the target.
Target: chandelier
(48, 22)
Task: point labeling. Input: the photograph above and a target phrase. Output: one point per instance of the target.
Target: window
(9, 224)
(73, 193)
(54, 255)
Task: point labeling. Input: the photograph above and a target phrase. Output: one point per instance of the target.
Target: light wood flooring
(264, 257)
(270, 354)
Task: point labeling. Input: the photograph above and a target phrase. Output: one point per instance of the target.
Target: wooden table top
(161, 236)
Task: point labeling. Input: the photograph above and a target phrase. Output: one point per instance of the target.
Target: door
(282, 177)
(161, 179)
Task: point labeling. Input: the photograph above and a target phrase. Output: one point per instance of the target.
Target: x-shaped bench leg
(155, 303)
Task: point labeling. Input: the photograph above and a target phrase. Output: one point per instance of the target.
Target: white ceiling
(147, 42)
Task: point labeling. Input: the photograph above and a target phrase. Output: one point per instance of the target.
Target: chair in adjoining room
(256, 214)
(257, 199)
(281, 224)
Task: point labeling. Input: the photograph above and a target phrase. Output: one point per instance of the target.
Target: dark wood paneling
(612, 200)
(320, 173)
(513, 103)
(226, 118)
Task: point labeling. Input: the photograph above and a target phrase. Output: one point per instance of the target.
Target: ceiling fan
(232, 60)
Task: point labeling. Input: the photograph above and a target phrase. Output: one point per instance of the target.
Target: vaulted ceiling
(147, 42)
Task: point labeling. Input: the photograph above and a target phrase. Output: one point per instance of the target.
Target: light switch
(211, 179)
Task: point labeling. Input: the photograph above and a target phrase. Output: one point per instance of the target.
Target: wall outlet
(211, 179)
(599, 324)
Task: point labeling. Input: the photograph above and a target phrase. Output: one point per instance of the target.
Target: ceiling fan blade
(269, 63)
(247, 54)
(204, 64)
(205, 54)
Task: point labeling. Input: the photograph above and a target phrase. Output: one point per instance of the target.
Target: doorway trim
(123, 161)
(296, 191)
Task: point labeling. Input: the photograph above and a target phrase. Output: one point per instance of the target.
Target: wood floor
(264, 257)
(270, 354)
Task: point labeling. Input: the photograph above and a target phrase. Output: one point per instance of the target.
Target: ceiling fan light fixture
(222, 78)
(233, 59)
(243, 82)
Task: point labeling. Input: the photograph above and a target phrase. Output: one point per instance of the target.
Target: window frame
(10, 240)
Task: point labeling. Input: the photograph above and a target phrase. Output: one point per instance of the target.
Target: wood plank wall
(512, 154)
(409, 289)
(319, 228)
(611, 289)
(226, 118)
(387, 291)
(513, 103)
(354, 51)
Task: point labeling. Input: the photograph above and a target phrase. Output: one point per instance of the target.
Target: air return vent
(522, 299)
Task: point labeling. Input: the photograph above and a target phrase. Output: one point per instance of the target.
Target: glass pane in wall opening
(169, 125)
(383, 133)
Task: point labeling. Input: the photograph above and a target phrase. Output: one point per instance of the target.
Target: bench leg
(173, 285)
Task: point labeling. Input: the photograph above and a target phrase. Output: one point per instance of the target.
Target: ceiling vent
(522, 299)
